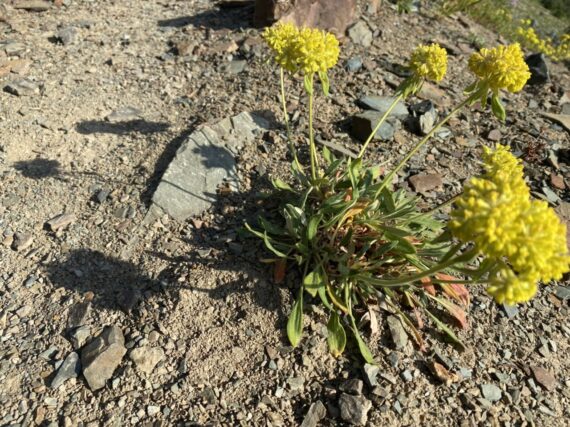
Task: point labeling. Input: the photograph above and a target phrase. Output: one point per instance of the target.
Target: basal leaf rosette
(500, 68)
(427, 62)
(524, 238)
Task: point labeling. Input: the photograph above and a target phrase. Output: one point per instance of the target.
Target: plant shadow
(216, 19)
(115, 284)
(89, 127)
(38, 168)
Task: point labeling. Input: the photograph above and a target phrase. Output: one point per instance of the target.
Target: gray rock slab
(364, 123)
(315, 414)
(70, 368)
(101, 357)
(203, 162)
(382, 103)
(354, 409)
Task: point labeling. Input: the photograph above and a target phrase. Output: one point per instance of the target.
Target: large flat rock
(203, 162)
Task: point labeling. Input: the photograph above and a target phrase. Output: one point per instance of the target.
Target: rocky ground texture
(111, 316)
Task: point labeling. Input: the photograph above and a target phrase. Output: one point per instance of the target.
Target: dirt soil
(196, 291)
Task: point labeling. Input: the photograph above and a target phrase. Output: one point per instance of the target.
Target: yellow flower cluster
(281, 40)
(528, 36)
(496, 212)
(502, 67)
(429, 62)
(308, 49)
(508, 288)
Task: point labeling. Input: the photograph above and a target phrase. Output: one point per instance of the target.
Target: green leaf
(322, 291)
(498, 109)
(309, 83)
(313, 227)
(270, 246)
(294, 219)
(271, 228)
(337, 336)
(388, 201)
(364, 350)
(295, 322)
(325, 82)
(312, 282)
(327, 155)
(280, 185)
(443, 327)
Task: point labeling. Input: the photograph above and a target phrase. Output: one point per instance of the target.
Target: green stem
(382, 120)
(391, 283)
(420, 144)
(314, 163)
(286, 117)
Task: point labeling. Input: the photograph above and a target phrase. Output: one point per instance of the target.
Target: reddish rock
(332, 15)
(426, 182)
(494, 135)
(544, 378)
(557, 181)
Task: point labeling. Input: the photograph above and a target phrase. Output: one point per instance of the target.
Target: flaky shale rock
(101, 357)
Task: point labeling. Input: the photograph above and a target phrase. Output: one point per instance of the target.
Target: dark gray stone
(539, 73)
(70, 368)
(562, 292)
(78, 314)
(354, 409)
(364, 123)
(354, 64)
(352, 386)
(423, 117)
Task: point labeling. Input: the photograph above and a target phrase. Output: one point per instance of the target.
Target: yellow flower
(316, 50)
(429, 62)
(488, 211)
(541, 249)
(508, 288)
(309, 49)
(282, 39)
(496, 213)
(502, 67)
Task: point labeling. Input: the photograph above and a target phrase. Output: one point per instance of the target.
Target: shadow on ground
(115, 284)
(144, 127)
(215, 19)
(38, 168)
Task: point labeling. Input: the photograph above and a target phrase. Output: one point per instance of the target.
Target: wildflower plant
(360, 243)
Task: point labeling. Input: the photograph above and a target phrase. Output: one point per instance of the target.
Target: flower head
(502, 67)
(496, 213)
(508, 288)
(316, 50)
(281, 39)
(488, 211)
(429, 62)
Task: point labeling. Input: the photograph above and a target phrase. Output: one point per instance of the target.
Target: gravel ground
(107, 320)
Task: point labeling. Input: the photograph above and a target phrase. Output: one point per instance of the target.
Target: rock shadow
(38, 168)
(144, 127)
(115, 284)
(232, 18)
(223, 244)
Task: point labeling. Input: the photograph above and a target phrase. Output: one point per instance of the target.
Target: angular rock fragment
(70, 368)
(102, 356)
